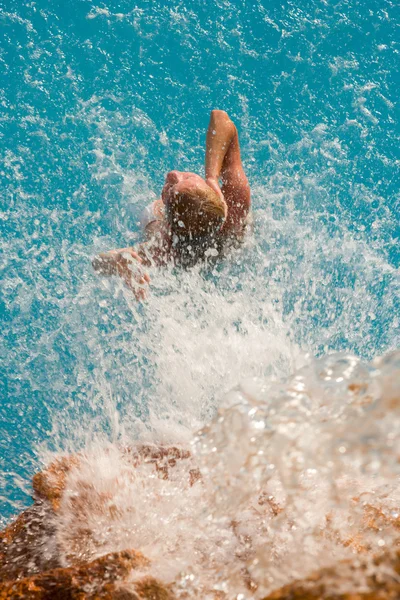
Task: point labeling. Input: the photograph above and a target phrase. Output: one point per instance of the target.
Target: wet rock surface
(102, 578)
(24, 545)
(49, 485)
(31, 560)
(33, 564)
(324, 584)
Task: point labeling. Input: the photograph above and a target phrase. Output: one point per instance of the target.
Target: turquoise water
(98, 101)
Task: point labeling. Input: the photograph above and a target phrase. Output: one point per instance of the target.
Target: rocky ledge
(33, 566)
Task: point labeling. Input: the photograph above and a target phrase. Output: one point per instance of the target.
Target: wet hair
(195, 213)
(195, 218)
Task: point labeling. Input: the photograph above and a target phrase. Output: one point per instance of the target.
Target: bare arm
(127, 264)
(220, 133)
(223, 161)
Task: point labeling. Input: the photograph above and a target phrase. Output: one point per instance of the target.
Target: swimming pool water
(99, 100)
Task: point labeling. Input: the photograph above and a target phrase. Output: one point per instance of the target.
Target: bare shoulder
(156, 250)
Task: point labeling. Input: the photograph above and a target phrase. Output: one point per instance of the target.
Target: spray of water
(305, 444)
(285, 479)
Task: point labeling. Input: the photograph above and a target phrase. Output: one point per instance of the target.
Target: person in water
(195, 218)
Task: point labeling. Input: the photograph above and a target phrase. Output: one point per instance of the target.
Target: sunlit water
(98, 103)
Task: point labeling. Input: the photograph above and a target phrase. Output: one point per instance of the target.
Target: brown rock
(28, 546)
(25, 545)
(268, 500)
(149, 588)
(97, 579)
(30, 566)
(320, 585)
(377, 520)
(87, 502)
(162, 458)
(49, 485)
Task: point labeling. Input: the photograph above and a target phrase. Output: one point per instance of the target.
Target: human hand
(129, 268)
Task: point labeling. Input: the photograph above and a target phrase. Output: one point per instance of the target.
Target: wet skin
(222, 164)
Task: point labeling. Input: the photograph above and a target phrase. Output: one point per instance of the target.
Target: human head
(193, 209)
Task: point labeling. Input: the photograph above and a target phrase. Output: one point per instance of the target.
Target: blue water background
(100, 99)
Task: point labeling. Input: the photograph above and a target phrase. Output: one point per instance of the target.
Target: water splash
(295, 476)
(106, 103)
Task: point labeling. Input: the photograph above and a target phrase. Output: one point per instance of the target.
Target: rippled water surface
(98, 101)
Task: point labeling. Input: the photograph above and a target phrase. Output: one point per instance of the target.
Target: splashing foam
(274, 477)
(202, 336)
(291, 472)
